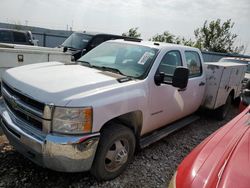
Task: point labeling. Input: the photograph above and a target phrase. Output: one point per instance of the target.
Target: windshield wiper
(85, 63)
(122, 79)
(111, 69)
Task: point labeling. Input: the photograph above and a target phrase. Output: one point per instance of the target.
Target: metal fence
(45, 37)
(215, 56)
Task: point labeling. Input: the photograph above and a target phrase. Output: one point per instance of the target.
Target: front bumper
(64, 153)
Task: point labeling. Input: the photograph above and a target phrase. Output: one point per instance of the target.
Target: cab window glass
(193, 63)
(128, 59)
(96, 41)
(169, 62)
(5, 36)
(19, 37)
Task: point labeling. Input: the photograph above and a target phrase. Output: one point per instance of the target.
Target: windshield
(127, 59)
(237, 61)
(77, 41)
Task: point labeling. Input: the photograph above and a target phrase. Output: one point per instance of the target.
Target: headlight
(72, 120)
(172, 183)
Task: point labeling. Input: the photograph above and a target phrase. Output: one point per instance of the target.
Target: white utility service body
(92, 115)
(222, 78)
(14, 55)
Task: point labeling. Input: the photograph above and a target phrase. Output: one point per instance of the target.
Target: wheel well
(232, 94)
(132, 120)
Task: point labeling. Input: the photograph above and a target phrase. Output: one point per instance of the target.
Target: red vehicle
(221, 160)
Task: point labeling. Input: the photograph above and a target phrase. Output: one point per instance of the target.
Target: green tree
(184, 41)
(165, 37)
(132, 32)
(171, 38)
(217, 36)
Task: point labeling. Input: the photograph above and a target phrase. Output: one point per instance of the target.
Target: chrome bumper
(57, 152)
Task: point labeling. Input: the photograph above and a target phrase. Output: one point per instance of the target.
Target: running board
(161, 133)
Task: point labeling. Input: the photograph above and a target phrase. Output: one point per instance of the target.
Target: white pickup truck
(120, 96)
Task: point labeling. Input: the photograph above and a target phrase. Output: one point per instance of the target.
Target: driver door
(167, 103)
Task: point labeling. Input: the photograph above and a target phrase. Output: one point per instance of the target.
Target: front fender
(114, 102)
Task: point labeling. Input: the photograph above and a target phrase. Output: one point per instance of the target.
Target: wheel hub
(121, 156)
(117, 155)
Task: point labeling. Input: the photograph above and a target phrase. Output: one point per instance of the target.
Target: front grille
(36, 123)
(26, 109)
(29, 101)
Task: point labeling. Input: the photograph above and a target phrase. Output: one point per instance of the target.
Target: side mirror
(31, 42)
(180, 77)
(83, 52)
(65, 49)
(159, 78)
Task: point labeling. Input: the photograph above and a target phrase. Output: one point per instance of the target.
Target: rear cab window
(19, 37)
(96, 41)
(194, 65)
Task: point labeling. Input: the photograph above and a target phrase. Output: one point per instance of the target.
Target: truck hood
(55, 82)
(222, 160)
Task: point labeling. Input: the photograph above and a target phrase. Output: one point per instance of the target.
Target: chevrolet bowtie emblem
(13, 103)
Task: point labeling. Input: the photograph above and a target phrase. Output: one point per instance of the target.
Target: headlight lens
(72, 120)
(172, 183)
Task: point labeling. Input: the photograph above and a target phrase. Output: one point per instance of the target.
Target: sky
(179, 17)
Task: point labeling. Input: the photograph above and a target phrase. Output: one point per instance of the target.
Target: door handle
(202, 84)
(182, 89)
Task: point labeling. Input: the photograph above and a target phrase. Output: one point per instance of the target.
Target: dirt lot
(152, 166)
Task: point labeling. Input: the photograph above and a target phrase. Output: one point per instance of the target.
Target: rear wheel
(115, 150)
(222, 111)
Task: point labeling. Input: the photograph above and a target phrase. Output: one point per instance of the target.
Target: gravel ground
(152, 166)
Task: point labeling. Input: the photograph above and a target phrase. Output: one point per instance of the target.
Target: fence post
(44, 39)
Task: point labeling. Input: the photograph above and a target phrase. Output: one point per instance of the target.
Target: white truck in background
(121, 95)
(14, 55)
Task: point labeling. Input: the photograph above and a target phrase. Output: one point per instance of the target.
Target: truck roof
(157, 45)
(88, 32)
(92, 33)
(20, 31)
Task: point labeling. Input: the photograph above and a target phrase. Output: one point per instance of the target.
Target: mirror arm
(167, 82)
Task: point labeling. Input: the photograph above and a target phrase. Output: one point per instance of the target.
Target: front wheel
(115, 150)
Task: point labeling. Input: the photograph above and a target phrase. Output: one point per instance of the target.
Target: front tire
(115, 150)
